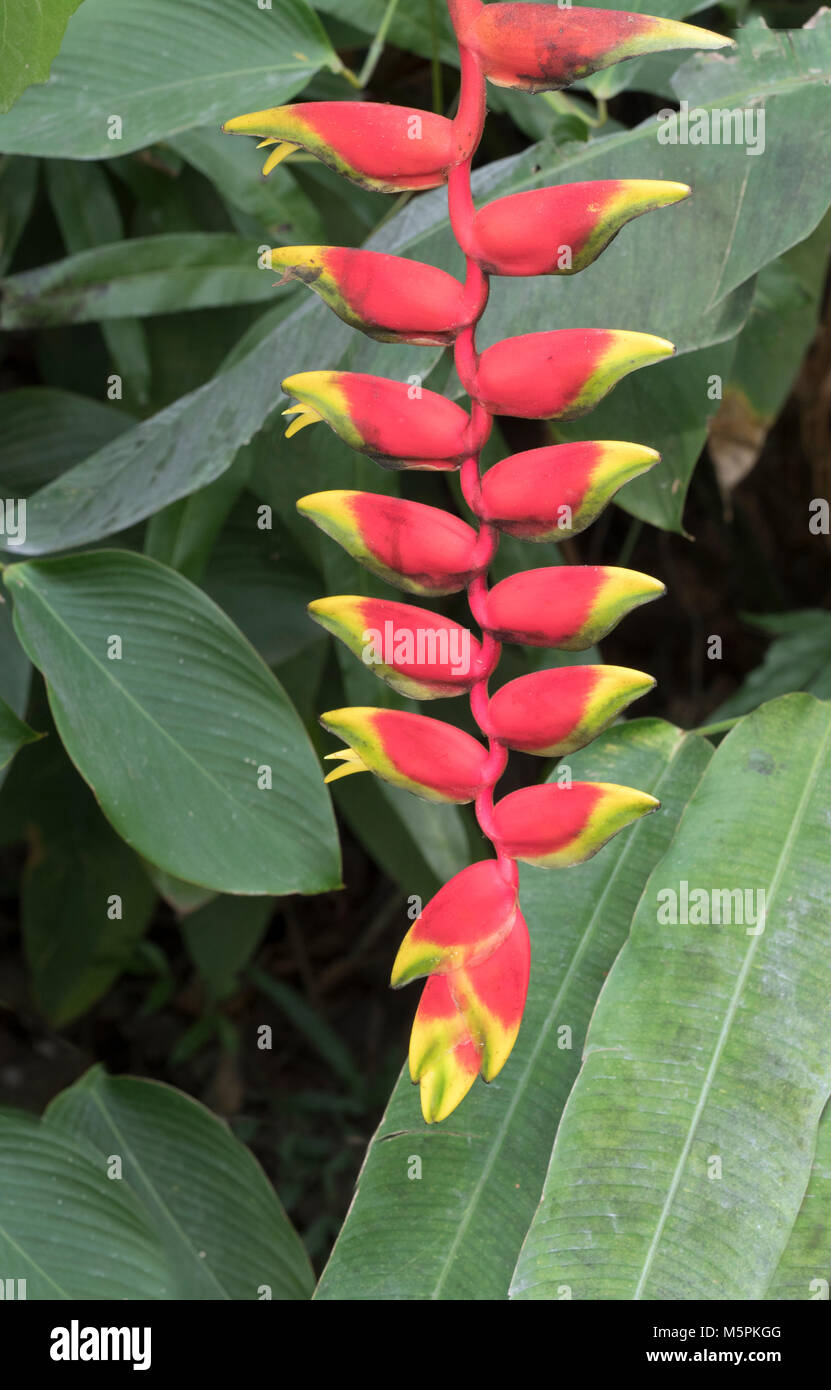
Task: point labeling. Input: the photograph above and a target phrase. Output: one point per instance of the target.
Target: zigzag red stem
(472, 107)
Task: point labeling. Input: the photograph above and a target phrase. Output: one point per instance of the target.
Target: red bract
(399, 426)
(432, 759)
(418, 653)
(570, 607)
(462, 925)
(553, 493)
(387, 297)
(421, 549)
(384, 148)
(540, 48)
(559, 231)
(555, 712)
(560, 375)
(471, 939)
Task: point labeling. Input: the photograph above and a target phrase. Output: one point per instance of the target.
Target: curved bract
(471, 940)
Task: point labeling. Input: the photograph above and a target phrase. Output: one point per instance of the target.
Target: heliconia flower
(551, 713)
(435, 760)
(559, 231)
(553, 493)
(467, 1022)
(395, 424)
(418, 653)
(557, 827)
(421, 549)
(384, 148)
(562, 374)
(387, 297)
(541, 48)
(462, 925)
(566, 606)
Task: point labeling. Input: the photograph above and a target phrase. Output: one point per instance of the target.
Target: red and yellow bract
(471, 940)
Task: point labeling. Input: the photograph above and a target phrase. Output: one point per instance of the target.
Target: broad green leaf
(88, 215)
(150, 275)
(221, 938)
(804, 1271)
(18, 187)
(75, 955)
(15, 668)
(13, 733)
(799, 658)
(224, 1232)
(183, 534)
(235, 168)
(172, 734)
(65, 1227)
(43, 432)
(686, 1145)
(260, 578)
(455, 1233)
(769, 353)
(29, 41)
(182, 897)
(161, 68)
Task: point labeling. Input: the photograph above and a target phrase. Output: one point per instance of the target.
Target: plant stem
(376, 48)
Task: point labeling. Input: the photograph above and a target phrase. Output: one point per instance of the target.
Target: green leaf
(171, 735)
(150, 275)
(77, 860)
(67, 1229)
(440, 1236)
(183, 534)
(88, 216)
(235, 169)
(769, 353)
(804, 1271)
(221, 938)
(18, 188)
(686, 1145)
(43, 432)
(162, 68)
(13, 733)
(224, 1232)
(798, 659)
(30, 39)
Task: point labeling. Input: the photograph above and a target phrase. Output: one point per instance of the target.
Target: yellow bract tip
(282, 151)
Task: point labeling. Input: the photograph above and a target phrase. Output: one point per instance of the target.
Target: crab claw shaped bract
(443, 1057)
(551, 713)
(387, 297)
(436, 761)
(467, 1022)
(553, 493)
(416, 652)
(421, 549)
(397, 425)
(556, 827)
(384, 148)
(568, 606)
(562, 374)
(558, 231)
(541, 48)
(462, 925)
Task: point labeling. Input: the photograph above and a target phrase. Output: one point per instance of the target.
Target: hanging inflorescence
(471, 940)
